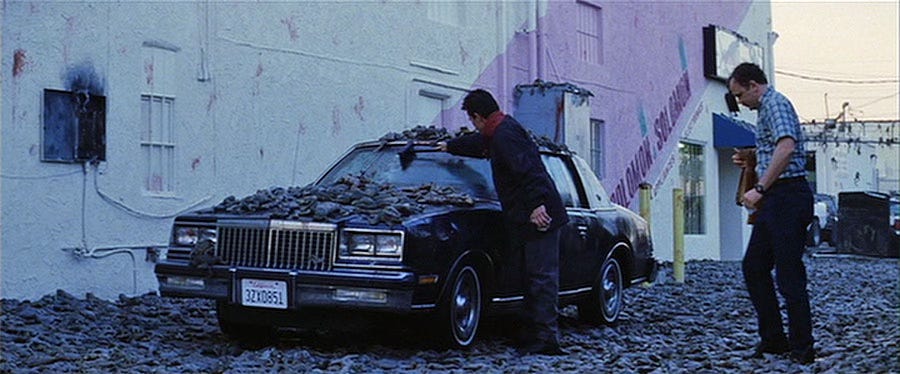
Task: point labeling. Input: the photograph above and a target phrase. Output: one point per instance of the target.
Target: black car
(420, 237)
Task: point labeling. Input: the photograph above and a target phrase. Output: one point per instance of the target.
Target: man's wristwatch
(760, 188)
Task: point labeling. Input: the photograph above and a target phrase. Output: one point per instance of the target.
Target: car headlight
(191, 235)
(364, 244)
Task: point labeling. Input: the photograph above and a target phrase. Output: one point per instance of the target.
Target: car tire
(814, 233)
(606, 299)
(461, 308)
(241, 332)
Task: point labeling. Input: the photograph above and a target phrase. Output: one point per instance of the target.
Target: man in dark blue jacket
(532, 209)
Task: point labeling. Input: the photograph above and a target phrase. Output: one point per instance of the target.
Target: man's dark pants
(542, 288)
(779, 240)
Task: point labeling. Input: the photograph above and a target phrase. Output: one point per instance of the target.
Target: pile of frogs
(359, 195)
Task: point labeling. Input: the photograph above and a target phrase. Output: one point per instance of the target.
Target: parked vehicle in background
(867, 224)
(895, 218)
(423, 238)
(825, 217)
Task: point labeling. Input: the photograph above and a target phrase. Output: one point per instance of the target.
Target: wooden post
(678, 233)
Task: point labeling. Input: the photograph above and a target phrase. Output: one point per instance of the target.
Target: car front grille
(280, 245)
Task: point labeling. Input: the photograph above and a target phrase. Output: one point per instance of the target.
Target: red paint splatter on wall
(358, 108)
(148, 70)
(212, 101)
(336, 121)
(67, 39)
(195, 163)
(19, 62)
(291, 25)
(463, 54)
(259, 71)
(156, 183)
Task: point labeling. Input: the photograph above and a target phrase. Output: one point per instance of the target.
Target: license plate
(264, 293)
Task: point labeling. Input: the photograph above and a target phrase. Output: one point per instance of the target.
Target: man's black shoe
(767, 347)
(804, 357)
(549, 349)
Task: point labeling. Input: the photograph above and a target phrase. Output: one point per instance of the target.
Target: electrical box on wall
(74, 127)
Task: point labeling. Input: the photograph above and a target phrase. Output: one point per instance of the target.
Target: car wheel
(461, 308)
(242, 332)
(814, 234)
(606, 298)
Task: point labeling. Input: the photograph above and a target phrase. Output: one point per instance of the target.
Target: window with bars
(158, 143)
(598, 158)
(589, 32)
(158, 118)
(694, 185)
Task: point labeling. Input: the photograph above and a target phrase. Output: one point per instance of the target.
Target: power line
(835, 80)
(879, 99)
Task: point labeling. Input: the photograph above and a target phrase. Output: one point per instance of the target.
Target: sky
(852, 42)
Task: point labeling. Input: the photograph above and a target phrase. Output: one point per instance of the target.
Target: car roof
(543, 148)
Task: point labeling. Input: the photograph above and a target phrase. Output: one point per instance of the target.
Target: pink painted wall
(650, 79)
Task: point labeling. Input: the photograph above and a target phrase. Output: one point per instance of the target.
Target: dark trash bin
(864, 226)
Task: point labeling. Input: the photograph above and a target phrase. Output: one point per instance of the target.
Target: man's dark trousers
(779, 240)
(542, 287)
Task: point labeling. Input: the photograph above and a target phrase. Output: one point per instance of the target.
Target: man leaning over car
(532, 210)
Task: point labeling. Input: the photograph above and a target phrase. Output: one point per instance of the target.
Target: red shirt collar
(492, 122)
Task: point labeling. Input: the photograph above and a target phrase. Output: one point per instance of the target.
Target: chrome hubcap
(466, 308)
(612, 290)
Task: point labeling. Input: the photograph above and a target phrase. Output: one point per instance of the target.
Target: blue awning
(732, 132)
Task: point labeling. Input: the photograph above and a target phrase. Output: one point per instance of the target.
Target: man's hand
(540, 218)
(751, 199)
(744, 158)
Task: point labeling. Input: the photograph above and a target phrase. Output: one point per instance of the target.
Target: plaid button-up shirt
(778, 119)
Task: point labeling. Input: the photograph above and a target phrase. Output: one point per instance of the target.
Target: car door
(575, 236)
(601, 216)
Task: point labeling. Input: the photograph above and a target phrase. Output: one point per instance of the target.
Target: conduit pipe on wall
(539, 37)
(101, 252)
(532, 40)
(503, 67)
(771, 37)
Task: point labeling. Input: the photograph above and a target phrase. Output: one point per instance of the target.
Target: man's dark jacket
(521, 181)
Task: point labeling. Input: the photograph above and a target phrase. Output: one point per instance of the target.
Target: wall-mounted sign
(723, 50)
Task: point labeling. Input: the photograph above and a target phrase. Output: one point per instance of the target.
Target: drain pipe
(532, 40)
(539, 36)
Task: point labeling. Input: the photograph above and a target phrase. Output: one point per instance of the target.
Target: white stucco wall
(270, 94)
(265, 94)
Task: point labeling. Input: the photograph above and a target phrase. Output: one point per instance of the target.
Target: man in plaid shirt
(784, 203)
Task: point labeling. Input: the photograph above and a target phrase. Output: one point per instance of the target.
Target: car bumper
(377, 290)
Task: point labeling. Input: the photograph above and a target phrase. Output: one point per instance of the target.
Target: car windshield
(382, 164)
